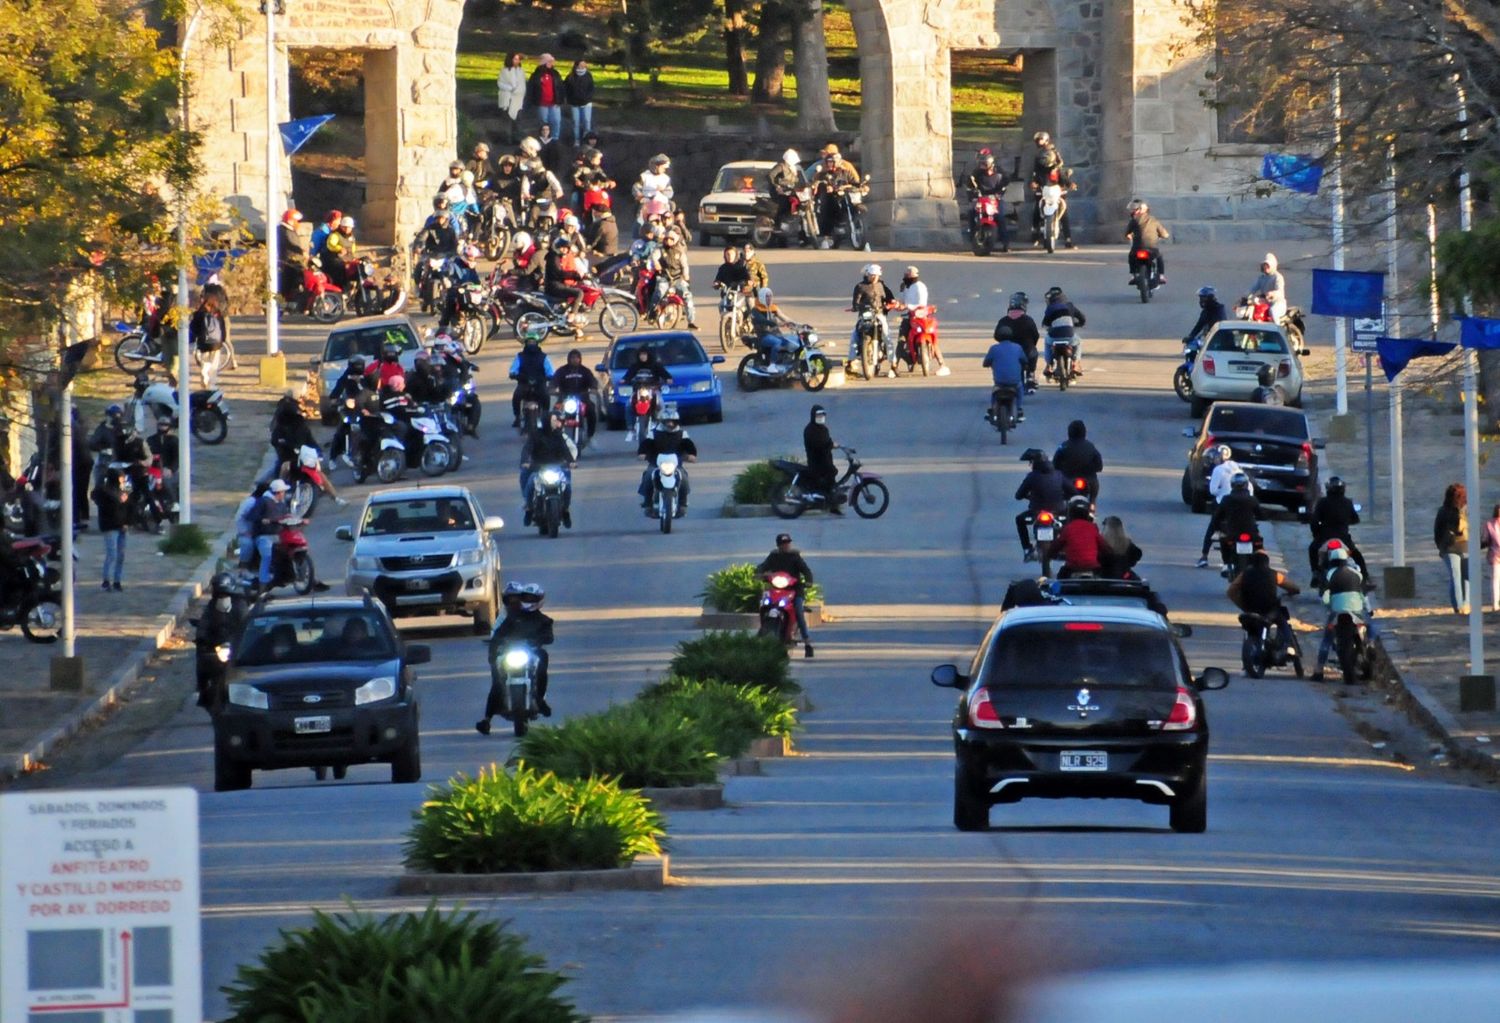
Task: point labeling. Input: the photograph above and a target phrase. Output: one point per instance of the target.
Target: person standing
(786, 558)
(511, 83)
(1450, 532)
(1491, 543)
(578, 91)
(545, 92)
(208, 329)
(111, 500)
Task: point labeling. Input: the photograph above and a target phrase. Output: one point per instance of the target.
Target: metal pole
(1471, 422)
(1393, 329)
(184, 391)
(65, 489)
(1340, 325)
(1369, 436)
(273, 168)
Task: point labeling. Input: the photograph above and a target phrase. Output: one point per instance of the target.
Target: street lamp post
(271, 8)
(184, 385)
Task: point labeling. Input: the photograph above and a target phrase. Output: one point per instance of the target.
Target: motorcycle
(849, 217)
(1351, 641)
(870, 329)
(1256, 307)
(471, 325)
(665, 496)
(921, 338)
(151, 503)
(386, 458)
(1262, 648)
(734, 321)
(370, 298)
(291, 560)
(31, 598)
(305, 478)
(1043, 525)
(808, 365)
(321, 299)
(1182, 376)
(496, 228)
(464, 400)
(157, 399)
(986, 220)
(1143, 273)
(542, 216)
(1064, 357)
(657, 304)
(538, 315)
(1235, 552)
(572, 409)
(549, 485)
(513, 686)
(778, 607)
(1002, 414)
(866, 492)
(645, 404)
(797, 224)
(1053, 206)
(434, 276)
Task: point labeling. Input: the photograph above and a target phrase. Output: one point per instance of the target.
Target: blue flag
(1298, 173)
(1480, 333)
(294, 134)
(1396, 352)
(1348, 293)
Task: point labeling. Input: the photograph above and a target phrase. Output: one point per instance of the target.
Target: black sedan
(320, 682)
(1091, 702)
(1272, 443)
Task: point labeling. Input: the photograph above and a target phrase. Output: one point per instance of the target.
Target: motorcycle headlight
(551, 477)
(668, 470)
(571, 406)
(473, 557)
(243, 694)
(455, 398)
(375, 690)
(701, 385)
(364, 564)
(223, 652)
(812, 338)
(516, 660)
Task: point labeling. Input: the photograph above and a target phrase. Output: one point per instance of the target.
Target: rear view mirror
(599, 368)
(344, 533)
(946, 676)
(717, 360)
(1212, 678)
(493, 523)
(419, 653)
(1181, 631)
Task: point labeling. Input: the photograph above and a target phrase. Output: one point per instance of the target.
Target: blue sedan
(695, 388)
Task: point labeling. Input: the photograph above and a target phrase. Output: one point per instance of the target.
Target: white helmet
(521, 241)
(791, 157)
(467, 177)
(530, 146)
(763, 296)
(570, 222)
(872, 270)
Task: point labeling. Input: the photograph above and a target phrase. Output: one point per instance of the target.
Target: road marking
(1250, 758)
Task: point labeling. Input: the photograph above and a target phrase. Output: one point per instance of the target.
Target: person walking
(1450, 532)
(511, 84)
(544, 91)
(111, 500)
(578, 92)
(1491, 543)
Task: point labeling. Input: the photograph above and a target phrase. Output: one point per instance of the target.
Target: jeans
(1458, 581)
(1077, 347)
(583, 122)
(800, 603)
(681, 288)
(551, 115)
(114, 554)
(265, 546)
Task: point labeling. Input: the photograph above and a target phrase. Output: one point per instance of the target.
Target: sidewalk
(1426, 643)
(117, 632)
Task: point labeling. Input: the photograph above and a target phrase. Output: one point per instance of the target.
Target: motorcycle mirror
(1212, 678)
(344, 533)
(946, 676)
(420, 653)
(1304, 351)
(493, 523)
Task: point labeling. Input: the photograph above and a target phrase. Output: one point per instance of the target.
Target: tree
(770, 52)
(736, 31)
(810, 58)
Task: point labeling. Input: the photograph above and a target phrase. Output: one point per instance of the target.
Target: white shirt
(914, 294)
(1219, 482)
(653, 184)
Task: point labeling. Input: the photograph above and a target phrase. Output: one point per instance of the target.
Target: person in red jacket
(1077, 545)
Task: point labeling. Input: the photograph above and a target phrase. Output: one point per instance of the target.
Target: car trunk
(1082, 709)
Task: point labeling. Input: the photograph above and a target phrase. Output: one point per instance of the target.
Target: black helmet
(222, 584)
(1019, 300)
(440, 203)
(1078, 507)
(1334, 487)
(1207, 291)
(390, 352)
(1077, 430)
(1266, 375)
(817, 410)
(358, 363)
(1053, 292)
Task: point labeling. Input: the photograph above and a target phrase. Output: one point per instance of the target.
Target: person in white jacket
(512, 86)
(1220, 482)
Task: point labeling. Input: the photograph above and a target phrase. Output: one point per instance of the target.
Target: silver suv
(427, 551)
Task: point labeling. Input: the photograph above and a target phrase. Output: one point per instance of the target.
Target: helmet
(1266, 376)
(440, 204)
(1053, 292)
(1018, 300)
(348, 222)
(456, 165)
(222, 583)
(530, 146)
(115, 410)
(507, 160)
(791, 157)
(1138, 206)
(1334, 486)
(469, 253)
(913, 272)
(562, 241)
(831, 149)
(1207, 291)
(1239, 481)
(986, 157)
(521, 242)
(1337, 554)
(1041, 138)
(660, 160)
(669, 414)
(481, 147)
(871, 270)
(467, 177)
(398, 384)
(1224, 452)
(358, 362)
(390, 351)
(1078, 506)
(570, 222)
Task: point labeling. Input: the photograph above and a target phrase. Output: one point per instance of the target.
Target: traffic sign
(1366, 332)
(99, 910)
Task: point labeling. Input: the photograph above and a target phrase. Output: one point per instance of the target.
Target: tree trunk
(734, 47)
(1489, 389)
(810, 61)
(770, 53)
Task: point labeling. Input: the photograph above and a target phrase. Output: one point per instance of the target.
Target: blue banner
(1396, 352)
(1298, 173)
(294, 134)
(1348, 293)
(212, 263)
(1479, 333)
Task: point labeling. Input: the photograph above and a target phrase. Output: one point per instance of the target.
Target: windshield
(1250, 342)
(740, 178)
(367, 341)
(1061, 653)
(421, 515)
(677, 350)
(1262, 420)
(299, 638)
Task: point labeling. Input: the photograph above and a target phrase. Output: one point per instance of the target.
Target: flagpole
(1471, 427)
(1340, 325)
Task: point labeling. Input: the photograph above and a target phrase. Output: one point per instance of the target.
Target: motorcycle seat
(790, 468)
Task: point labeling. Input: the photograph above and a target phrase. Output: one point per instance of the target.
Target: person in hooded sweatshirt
(819, 445)
(1017, 326)
(1077, 458)
(1271, 284)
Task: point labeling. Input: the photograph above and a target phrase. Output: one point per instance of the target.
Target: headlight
(223, 652)
(710, 209)
(551, 477)
(243, 694)
(474, 557)
(363, 564)
(668, 470)
(701, 385)
(455, 397)
(375, 690)
(516, 660)
(812, 338)
(570, 406)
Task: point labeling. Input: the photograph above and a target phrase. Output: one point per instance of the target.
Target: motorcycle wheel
(209, 425)
(304, 499)
(456, 455)
(389, 465)
(1049, 234)
(617, 316)
(867, 358)
(983, 243)
(870, 499)
(302, 573)
(667, 315)
(1063, 368)
(42, 622)
(927, 360)
(328, 307)
(1250, 658)
(1182, 383)
(763, 232)
(497, 242)
(437, 456)
(532, 320)
(666, 511)
(1046, 563)
(857, 240)
(131, 354)
(473, 334)
(727, 332)
(1345, 643)
(815, 377)
(748, 381)
(786, 500)
(1143, 284)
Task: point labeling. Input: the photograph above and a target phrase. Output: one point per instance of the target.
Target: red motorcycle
(660, 307)
(305, 477)
(920, 338)
(291, 561)
(778, 607)
(986, 221)
(321, 299)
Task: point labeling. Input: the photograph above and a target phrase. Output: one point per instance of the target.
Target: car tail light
(982, 711)
(1208, 364)
(1285, 369)
(1184, 713)
(1304, 460)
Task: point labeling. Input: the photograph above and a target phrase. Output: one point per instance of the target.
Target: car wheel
(971, 809)
(406, 766)
(1189, 811)
(1187, 487)
(228, 775)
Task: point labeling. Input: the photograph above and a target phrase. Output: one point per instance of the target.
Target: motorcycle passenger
(538, 184)
(561, 278)
(1272, 285)
(1257, 590)
(270, 509)
(760, 277)
(219, 625)
(1145, 232)
(1210, 312)
(874, 294)
(1220, 482)
(320, 233)
(988, 179)
(1006, 361)
(834, 175)
(1332, 517)
(1016, 326)
(786, 178)
(913, 293)
(1078, 543)
(819, 445)
(647, 370)
(525, 624)
(530, 369)
(602, 233)
(1062, 319)
(1049, 167)
(668, 439)
(1342, 588)
(506, 184)
(549, 446)
(1042, 490)
(654, 189)
(1118, 553)
(574, 379)
(676, 272)
(526, 262)
(1236, 515)
(1077, 458)
(786, 558)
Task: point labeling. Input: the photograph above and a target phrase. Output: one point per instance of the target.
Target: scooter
(549, 487)
(1143, 274)
(778, 607)
(157, 399)
(1263, 649)
(291, 560)
(666, 498)
(806, 364)
(513, 686)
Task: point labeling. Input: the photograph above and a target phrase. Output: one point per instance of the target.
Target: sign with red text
(99, 917)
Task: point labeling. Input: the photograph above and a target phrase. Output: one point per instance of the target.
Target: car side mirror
(1212, 678)
(344, 533)
(1181, 631)
(599, 368)
(493, 523)
(1304, 352)
(946, 676)
(315, 362)
(1319, 443)
(420, 653)
(717, 360)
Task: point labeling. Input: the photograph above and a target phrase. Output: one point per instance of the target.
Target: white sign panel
(99, 913)
(1366, 331)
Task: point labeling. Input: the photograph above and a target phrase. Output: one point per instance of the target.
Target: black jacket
(578, 88)
(1208, 315)
(574, 380)
(818, 443)
(438, 236)
(1042, 490)
(651, 369)
(548, 447)
(1332, 516)
(872, 295)
(1259, 593)
(791, 562)
(667, 442)
(1022, 330)
(1058, 310)
(164, 447)
(1237, 513)
(534, 86)
(217, 627)
(427, 388)
(533, 365)
(1445, 528)
(733, 276)
(1115, 566)
(531, 628)
(110, 505)
(987, 182)
(1078, 457)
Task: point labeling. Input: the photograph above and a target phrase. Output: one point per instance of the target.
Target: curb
(647, 873)
(771, 746)
(741, 767)
(729, 510)
(708, 796)
(749, 621)
(1426, 710)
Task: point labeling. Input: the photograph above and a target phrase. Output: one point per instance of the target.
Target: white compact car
(1228, 366)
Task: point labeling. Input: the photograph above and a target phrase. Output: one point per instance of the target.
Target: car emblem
(1258, 449)
(1083, 697)
(1083, 706)
(315, 698)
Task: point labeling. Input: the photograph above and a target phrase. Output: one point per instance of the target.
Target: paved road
(1317, 846)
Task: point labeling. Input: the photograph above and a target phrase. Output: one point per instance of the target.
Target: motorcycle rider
(1236, 515)
(1272, 285)
(1077, 458)
(465, 270)
(677, 273)
(1016, 326)
(602, 233)
(1210, 312)
(339, 251)
(219, 625)
(506, 183)
(732, 274)
(786, 558)
(646, 370)
(1257, 590)
(438, 237)
(530, 369)
(549, 446)
(1042, 490)
(760, 277)
(1049, 167)
(1144, 231)
(988, 179)
(913, 293)
(526, 262)
(574, 379)
(270, 509)
(775, 335)
(654, 189)
(539, 183)
(1342, 588)
(818, 444)
(292, 255)
(1061, 320)
(874, 294)
(108, 441)
(1078, 543)
(668, 439)
(1267, 391)
(426, 386)
(523, 624)
(834, 174)
(1332, 517)
(1006, 361)
(561, 278)
(786, 178)
(1220, 482)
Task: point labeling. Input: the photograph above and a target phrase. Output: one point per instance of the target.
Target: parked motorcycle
(156, 399)
(513, 686)
(807, 365)
(797, 225)
(1002, 413)
(370, 297)
(549, 485)
(666, 496)
(778, 607)
(1182, 376)
(1143, 274)
(1262, 648)
(866, 492)
(986, 213)
(30, 597)
(291, 560)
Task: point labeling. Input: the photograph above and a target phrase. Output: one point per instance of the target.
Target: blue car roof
(670, 345)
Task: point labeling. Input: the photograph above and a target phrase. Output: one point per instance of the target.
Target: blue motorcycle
(1182, 378)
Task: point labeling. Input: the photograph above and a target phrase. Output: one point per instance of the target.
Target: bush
(755, 482)
(186, 538)
(527, 820)
(736, 589)
(729, 717)
(738, 658)
(631, 743)
(404, 968)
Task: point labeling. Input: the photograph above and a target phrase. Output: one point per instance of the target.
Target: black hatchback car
(1272, 443)
(1091, 702)
(317, 682)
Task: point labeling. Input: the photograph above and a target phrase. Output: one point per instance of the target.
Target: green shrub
(527, 820)
(629, 743)
(738, 658)
(736, 589)
(755, 482)
(404, 968)
(186, 538)
(729, 717)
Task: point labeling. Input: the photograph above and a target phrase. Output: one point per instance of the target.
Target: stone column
(382, 146)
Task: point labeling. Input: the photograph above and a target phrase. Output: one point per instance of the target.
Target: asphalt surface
(1318, 846)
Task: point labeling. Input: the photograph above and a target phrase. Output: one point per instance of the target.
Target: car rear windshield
(1268, 421)
(314, 636)
(733, 179)
(421, 515)
(1064, 653)
(678, 350)
(1251, 342)
(366, 341)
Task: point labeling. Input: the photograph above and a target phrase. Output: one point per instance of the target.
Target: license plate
(1083, 760)
(1244, 548)
(418, 584)
(1044, 534)
(1245, 367)
(313, 725)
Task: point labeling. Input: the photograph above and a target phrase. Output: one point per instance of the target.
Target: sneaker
(834, 509)
(1202, 562)
(807, 650)
(890, 371)
(630, 437)
(348, 462)
(1069, 244)
(1047, 372)
(943, 371)
(1161, 282)
(104, 586)
(543, 706)
(482, 727)
(342, 502)
(118, 588)
(567, 520)
(692, 325)
(1317, 676)
(1020, 416)
(1028, 555)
